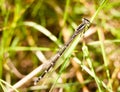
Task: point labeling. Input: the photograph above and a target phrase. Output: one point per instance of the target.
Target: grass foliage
(32, 31)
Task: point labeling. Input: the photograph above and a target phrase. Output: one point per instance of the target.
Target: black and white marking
(81, 28)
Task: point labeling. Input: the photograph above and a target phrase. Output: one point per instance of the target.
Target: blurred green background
(31, 32)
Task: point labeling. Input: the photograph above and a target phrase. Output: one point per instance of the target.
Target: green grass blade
(103, 3)
(43, 30)
(104, 57)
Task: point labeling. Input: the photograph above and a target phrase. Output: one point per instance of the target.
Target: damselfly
(80, 29)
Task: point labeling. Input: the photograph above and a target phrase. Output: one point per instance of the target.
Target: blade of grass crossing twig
(104, 57)
(4, 88)
(60, 72)
(86, 54)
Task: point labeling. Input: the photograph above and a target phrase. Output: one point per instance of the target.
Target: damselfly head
(86, 21)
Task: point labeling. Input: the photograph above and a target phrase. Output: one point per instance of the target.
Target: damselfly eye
(86, 21)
